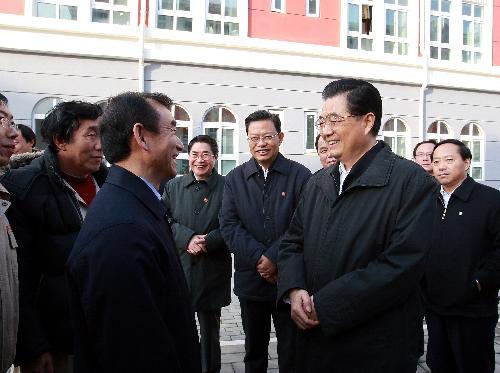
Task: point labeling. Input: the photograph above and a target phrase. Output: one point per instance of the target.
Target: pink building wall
(294, 25)
(496, 32)
(12, 6)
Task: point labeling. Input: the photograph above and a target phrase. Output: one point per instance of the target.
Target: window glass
(227, 141)
(68, 12)
(100, 15)
(184, 24)
(353, 17)
(184, 5)
(212, 115)
(231, 29)
(121, 18)
(213, 27)
(46, 10)
(165, 22)
(231, 8)
(183, 134)
(390, 27)
(214, 6)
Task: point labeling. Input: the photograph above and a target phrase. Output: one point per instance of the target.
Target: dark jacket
(465, 247)
(129, 300)
(255, 214)
(45, 217)
(361, 254)
(194, 209)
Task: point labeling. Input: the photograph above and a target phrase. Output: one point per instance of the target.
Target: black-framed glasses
(265, 138)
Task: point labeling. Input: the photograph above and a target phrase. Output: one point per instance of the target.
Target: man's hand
(267, 269)
(197, 245)
(42, 364)
(302, 309)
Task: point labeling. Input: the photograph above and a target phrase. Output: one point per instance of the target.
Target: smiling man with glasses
(351, 260)
(260, 197)
(194, 201)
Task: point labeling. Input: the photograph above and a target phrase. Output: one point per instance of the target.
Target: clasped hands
(197, 245)
(302, 309)
(267, 269)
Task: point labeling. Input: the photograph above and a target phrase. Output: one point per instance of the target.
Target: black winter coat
(255, 214)
(194, 209)
(46, 219)
(465, 248)
(361, 254)
(129, 299)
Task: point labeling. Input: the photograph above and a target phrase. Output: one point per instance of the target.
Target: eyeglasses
(332, 120)
(203, 156)
(265, 138)
(423, 155)
(8, 123)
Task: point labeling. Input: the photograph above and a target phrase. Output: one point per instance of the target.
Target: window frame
(276, 9)
(441, 15)
(359, 35)
(308, 12)
(220, 125)
(468, 140)
(395, 134)
(131, 8)
(473, 21)
(35, 117)
(175, 13)
(222, 18)
(438, 136)
(57, 4)
(397, 39)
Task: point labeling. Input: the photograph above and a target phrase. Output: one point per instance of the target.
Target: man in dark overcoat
(259, 199)
(462, 274)
(50, 198)
(194, 201)
(129, 299)
(351, 260)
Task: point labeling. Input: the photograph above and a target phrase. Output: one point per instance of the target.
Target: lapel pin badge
(283, 194)
(460, 213)
(205, 200)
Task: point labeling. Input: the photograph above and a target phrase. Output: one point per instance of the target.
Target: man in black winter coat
(50, 198)
(462, 277)
(352, 258)
(129, 299)
(260, 197)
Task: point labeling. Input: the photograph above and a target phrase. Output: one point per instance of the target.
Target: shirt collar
(280, 164)
(155, 191)
(191, 179)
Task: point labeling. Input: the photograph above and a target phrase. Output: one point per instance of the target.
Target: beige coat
(9, 294)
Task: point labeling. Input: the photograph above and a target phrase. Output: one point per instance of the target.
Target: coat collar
(189, 179)
(464, 191)
(280, 164)
(125, 179)
(372, 170)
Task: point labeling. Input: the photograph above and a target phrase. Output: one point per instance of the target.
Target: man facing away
(462, 275)
(260, 197)
(422, 154)
(194, 201)
(9, 292)
(129, 300)
(351, 260)
(50, 198)
(325, 156)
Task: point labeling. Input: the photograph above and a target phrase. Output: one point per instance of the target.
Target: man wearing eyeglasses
(194, 201)
(9, 294)
(50, 198)
(260, 197)
(422, 154)
(352, 258)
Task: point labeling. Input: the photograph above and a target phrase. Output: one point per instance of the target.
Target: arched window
(184, 132)
(473, 137)
(397, 136)
(439, 131)
(39, 113)
(220, 124)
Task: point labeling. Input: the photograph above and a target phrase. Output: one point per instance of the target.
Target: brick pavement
(233, 339)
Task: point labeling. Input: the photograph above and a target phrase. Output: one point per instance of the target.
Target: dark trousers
(461, 344)
(209, 340)
(256, 318)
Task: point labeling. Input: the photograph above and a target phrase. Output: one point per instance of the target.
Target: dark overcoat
(129, 299)
(254, 216)
(45, 217)
(465, 248)
(361, 255)
(194, 209)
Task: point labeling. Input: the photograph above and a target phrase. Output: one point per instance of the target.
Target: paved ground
(233, 339)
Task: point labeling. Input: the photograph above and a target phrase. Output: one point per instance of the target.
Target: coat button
(196, 212)
(4, 203)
